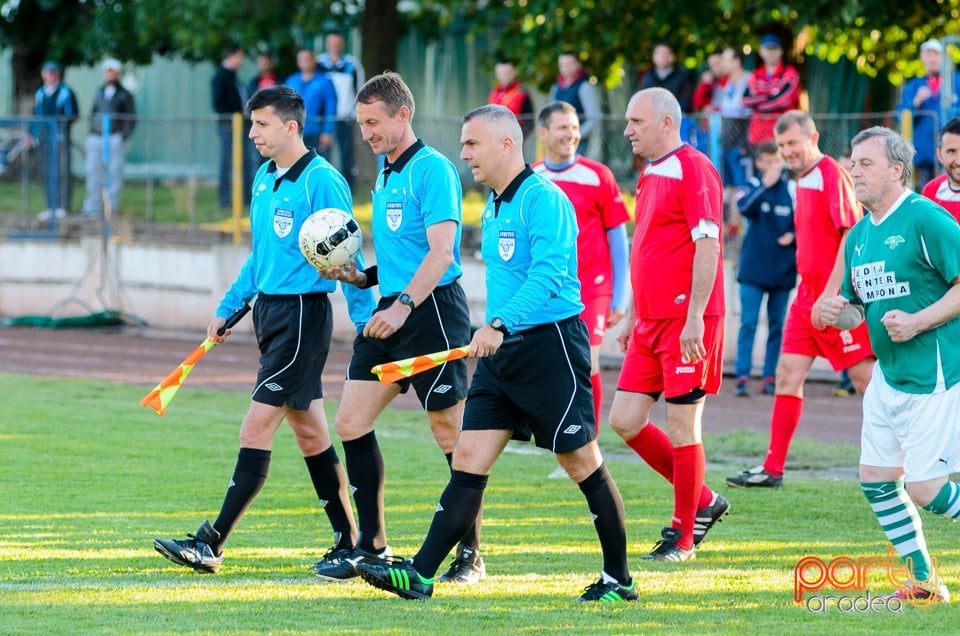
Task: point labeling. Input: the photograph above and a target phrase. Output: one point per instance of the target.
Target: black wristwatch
(405, 299)
(497, 323)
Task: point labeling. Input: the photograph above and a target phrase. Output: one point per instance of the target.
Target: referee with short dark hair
(293, 323)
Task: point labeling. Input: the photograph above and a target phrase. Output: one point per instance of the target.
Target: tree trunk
(25, 64)
(381, 34)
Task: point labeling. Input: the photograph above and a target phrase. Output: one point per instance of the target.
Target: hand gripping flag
(390, 372)
(160, 397)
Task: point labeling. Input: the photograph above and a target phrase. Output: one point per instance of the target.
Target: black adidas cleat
(755, 478)
(667, 549)
(467, 567)
(340, 564)
(609, 592)
(399, 578)
(195, 552)
(707, 517)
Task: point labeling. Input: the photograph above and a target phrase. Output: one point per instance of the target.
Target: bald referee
(529, 247)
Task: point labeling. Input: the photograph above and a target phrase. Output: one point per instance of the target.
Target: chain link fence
(172, 165)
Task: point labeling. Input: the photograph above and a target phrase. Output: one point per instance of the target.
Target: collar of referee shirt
(295, 170)
(401, 162)
(511, 189)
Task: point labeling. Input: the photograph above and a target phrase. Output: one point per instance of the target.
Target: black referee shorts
(539, 387)
(293, 333)
(440, 322)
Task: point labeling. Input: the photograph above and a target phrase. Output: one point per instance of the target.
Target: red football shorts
(842, 349)
(653, 363)
(595, 317)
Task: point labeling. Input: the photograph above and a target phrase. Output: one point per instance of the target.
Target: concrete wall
(178, 287)
(166, 286)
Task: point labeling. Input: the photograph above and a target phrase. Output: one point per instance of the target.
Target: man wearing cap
(56, 104)
(922, 96)
(111, 123)
(772, 89)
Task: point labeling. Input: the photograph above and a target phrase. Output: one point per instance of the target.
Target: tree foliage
(612, 38)
(879, 36)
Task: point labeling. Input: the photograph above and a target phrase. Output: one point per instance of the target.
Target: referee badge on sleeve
(507, 244)
(282, 222)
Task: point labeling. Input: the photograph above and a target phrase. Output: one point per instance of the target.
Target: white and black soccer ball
(330, 238)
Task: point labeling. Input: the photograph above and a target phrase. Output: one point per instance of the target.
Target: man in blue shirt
(56, 104)
(538, 387)
(922, 95)
(293, 323)
(319, 99)
(417, 212)
(346, 73)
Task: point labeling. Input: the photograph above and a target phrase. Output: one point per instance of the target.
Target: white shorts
(917, 432)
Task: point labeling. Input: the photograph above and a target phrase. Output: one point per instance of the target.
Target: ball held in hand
(330, 238)
(850, 316)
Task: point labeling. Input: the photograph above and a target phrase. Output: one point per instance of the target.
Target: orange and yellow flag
(159, 398)
(389, 372)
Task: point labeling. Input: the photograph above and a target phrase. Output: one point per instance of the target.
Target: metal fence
(170, 183)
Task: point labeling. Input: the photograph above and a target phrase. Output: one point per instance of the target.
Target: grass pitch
(88, 479)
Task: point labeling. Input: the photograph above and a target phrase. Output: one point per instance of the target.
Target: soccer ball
(330, 238)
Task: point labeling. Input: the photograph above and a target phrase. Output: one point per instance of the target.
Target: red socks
(596, 381)
(689, 468)
(783, 424)
(653, 446)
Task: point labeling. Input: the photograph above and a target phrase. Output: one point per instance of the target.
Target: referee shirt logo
(507, 244)
(282, 222)
(443, 388)
(573, 429)
(394, 214)
(273, 386)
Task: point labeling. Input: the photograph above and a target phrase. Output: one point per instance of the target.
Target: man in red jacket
(773, 89)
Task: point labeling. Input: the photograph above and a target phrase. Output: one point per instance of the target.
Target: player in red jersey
(826, 208)
(601, 217)
(945, 189)
(673, 338)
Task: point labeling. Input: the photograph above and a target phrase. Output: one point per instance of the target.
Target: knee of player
(924, 492)
(349, 425)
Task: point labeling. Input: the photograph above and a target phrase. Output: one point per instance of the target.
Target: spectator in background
(57, 103)
(768, 263)
(574, 87)
(346, 73)
(320, 100)
(266, 73)
(229, 95)
(665, 73)
(772, 89)
(265, 78)
(922, 94)
(509, 93)
(714, 77)
(945, 189)
(110, 99)
(728, 101)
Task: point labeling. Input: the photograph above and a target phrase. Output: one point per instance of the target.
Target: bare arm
(704, 276)
(441, 238)
(833, 283)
